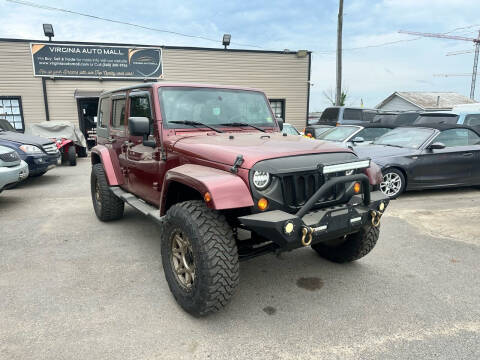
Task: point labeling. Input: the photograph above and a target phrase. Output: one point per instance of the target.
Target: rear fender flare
(109, 160)
(228, 191)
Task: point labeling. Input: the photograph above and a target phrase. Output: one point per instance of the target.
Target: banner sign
(96, 61)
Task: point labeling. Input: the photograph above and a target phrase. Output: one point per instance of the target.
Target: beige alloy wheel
(182, 260)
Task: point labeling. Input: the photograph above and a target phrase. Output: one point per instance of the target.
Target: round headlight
(261, 179)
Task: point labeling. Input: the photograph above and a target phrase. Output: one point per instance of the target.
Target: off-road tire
(72, 155)
(353, 246)
(110, 207)
(214, 252)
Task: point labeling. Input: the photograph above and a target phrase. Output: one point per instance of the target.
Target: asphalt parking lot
(72, 287)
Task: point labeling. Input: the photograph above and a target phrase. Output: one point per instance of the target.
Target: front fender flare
(227, 190)
(111, 166)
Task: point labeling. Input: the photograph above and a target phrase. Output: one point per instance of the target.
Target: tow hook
(376, 215)
(306, 230)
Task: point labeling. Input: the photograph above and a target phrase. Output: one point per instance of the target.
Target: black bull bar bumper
(290, 231)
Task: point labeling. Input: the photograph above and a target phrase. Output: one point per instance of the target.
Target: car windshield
(339, 133)
(437, 119)
(411, 138)
(290, 129)
(214, 106)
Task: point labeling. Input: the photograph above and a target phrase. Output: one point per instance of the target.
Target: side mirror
(358, 139)
(280, 123)
(140, 126)
(437, 146)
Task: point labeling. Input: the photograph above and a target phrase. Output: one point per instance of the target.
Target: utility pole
(338, 94)
(476, 41)
(475, 67)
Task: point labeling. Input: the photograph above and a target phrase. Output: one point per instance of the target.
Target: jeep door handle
(467, 154)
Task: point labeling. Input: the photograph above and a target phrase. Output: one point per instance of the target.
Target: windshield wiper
(236, 124)
(194, 123)
(398, 146)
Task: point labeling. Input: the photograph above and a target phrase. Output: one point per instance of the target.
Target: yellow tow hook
(306, 231)
(376, 215)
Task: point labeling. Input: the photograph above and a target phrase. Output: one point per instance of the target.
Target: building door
(87, 119)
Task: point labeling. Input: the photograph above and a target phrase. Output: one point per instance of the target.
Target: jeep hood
(24, 139)
(254, 147)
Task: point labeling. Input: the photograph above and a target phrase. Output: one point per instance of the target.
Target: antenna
(476, 41)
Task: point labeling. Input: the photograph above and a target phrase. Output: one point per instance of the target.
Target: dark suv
(343, 115)
(211, 165)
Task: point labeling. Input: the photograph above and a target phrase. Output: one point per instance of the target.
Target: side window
(103, 112)
(473, 138)
(330, 115)
(352, 114)
(118, 118)
(140, 107)
(472, 120)
(454, 137)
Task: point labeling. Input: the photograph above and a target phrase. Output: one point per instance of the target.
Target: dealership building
(43, 81)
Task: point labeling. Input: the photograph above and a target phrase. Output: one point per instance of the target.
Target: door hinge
(156, 186)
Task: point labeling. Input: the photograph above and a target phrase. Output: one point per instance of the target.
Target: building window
(278, 107)
(11, 110)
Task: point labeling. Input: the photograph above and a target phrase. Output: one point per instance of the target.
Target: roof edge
(144, 45)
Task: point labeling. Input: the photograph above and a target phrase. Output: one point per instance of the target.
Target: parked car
(470, 118)
(12, 168)
(314, 131)
(342, 115)
(216, 163)
(355, 134)
(68, 138)
(39, 153)
(414, 158)
(289, 129)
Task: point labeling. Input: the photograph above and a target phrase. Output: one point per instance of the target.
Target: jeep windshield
(182, 106)
(411, 138)
(339, 133)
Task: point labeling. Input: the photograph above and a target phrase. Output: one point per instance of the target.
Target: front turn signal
(207, 197)
(262, 204)
(357, 187)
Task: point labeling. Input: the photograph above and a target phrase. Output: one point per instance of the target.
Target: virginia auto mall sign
(93, 61)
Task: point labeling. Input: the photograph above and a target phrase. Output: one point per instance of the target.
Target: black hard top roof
(442, 127)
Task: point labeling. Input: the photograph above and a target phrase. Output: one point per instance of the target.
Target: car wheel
(107, 206)
(393, 183)
(350, 247)
(200, 257)
(72, 156)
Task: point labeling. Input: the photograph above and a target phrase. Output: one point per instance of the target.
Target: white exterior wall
(399, 104)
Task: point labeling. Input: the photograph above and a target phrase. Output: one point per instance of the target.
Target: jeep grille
(299, 187)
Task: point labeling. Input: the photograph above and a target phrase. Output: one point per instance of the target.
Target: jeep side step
(137, 203)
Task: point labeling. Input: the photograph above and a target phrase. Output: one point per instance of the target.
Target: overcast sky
(370, 74)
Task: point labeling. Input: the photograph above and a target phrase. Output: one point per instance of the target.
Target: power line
(51, 8)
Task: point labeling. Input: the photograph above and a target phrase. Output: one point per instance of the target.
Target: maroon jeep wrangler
(211, 165)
